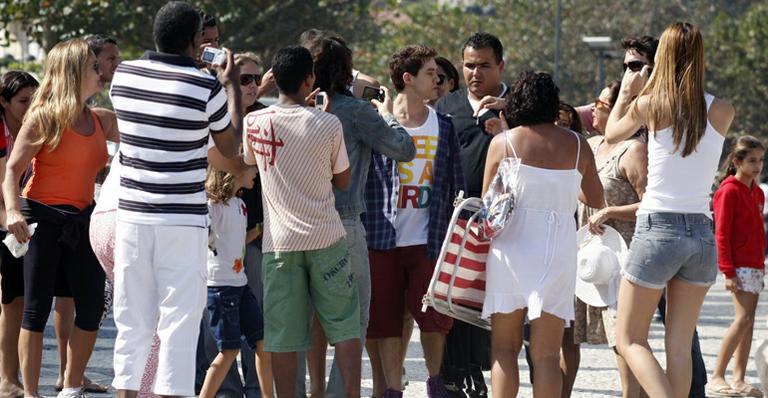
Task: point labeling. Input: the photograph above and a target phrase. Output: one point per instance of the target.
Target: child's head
(746, 157)
(222, 186)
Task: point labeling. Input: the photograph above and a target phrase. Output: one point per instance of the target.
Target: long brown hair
(676, 87)
(739, 151)
(57, 103)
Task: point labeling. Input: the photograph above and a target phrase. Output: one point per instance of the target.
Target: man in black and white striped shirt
(166, 109)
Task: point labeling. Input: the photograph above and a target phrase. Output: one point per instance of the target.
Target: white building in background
(20, 47)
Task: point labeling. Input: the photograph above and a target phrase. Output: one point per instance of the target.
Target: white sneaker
(73, 394)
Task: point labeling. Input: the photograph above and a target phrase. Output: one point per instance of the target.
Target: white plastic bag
(16, 248)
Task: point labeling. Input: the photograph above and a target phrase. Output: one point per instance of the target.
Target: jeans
(247, 355)
(207, 350)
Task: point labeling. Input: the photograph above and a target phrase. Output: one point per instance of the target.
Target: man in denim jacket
(365, 131)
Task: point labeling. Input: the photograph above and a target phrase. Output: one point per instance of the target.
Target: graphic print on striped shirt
(165, 109)
(298, 150)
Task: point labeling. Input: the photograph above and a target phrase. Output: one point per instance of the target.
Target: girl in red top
(740, 238)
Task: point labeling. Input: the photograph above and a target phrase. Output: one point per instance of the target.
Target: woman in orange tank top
(65, 141)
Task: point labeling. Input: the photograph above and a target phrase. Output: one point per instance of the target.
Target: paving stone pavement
(597, 375)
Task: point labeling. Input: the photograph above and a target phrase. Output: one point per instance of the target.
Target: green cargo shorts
(297, 282)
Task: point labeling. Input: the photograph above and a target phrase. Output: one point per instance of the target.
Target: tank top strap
(97, 123)
(621, 151)
(578, 148)
(709, 98)
(509, 144)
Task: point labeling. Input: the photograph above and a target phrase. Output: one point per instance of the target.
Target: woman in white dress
(531, 268)
(673, 246)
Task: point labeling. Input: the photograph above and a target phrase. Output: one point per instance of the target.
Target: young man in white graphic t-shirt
(301, 156)
(402, 263)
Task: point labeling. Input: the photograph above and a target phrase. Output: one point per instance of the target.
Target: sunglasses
(441, 78)
(600, 104)
(249, 78)
(636, 66)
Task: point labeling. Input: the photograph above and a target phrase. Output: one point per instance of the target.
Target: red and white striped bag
(457, 288)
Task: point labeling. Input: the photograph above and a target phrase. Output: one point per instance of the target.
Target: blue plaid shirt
(383, 186)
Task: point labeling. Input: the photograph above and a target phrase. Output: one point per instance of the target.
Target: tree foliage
(735, 33)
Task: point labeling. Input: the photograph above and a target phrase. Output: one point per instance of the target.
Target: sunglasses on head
(441, 78)
(248, 78)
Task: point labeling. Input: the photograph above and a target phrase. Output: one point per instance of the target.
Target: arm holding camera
(385, 106)
(361, 82)
(228, 140)
(381, 131)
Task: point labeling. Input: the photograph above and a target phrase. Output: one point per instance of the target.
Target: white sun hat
(598, 270)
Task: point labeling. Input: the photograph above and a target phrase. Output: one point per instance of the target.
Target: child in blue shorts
(233, 309)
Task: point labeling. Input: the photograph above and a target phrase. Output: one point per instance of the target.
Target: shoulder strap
(509, 144)
(709, 98)
(97, 122)
(578, 149)
(622, 151)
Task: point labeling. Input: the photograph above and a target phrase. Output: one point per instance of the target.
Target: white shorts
(750, 279)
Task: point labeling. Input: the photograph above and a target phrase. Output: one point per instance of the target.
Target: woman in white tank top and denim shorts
(673, 246)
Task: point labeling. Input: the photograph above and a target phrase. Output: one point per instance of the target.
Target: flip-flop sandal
(96, 388)
(9, 393)
(724, 391)
(749, 391)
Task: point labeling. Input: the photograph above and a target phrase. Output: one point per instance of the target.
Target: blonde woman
(673, 246)
(65, 141)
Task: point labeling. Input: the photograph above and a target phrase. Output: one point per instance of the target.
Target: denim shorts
(672, 245)
(234, 313)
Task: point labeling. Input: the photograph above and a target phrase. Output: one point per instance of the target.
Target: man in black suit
(472, 107)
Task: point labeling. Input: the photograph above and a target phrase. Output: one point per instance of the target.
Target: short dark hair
(333, 64)
(291, 66)
(310, 35)
(408, 60)
(645, 45)
(532, 99)
(482, 40)
(97, 42)
(450, 71)
(175, 27)
(14, 81)
(613, 88)
(576, 124)
(209, 21)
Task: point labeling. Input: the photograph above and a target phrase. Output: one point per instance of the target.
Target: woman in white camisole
(673, 246)
(531, 267)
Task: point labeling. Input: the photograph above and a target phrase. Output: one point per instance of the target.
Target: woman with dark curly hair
(531, 267)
